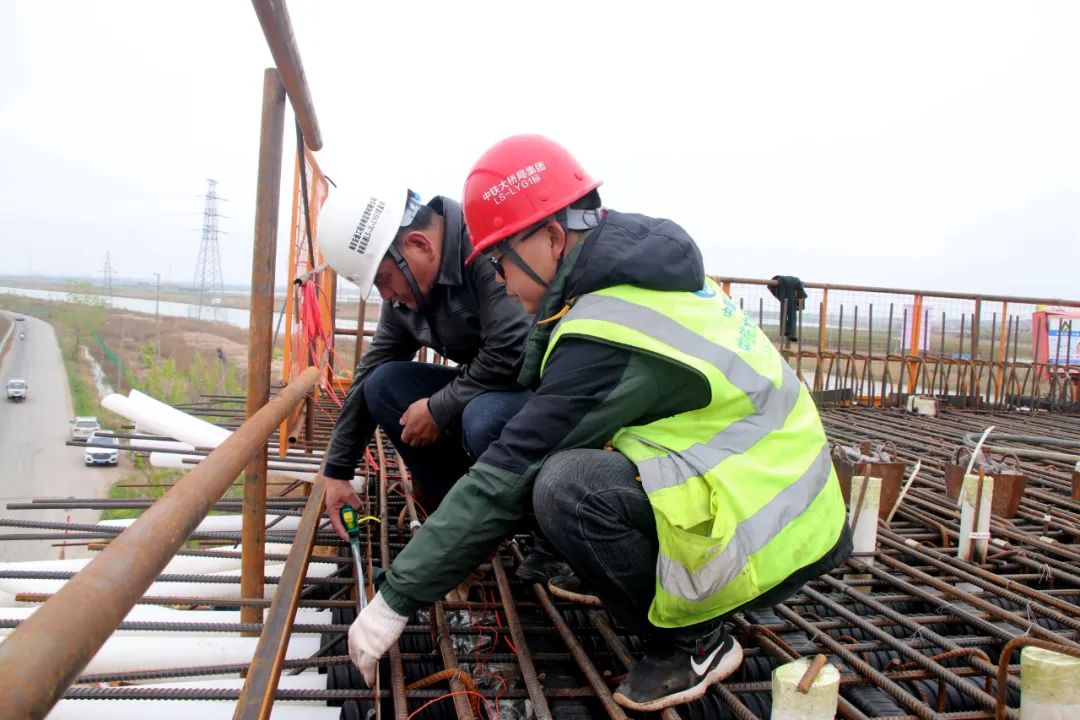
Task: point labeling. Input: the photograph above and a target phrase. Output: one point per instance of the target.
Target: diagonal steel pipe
(46, 653)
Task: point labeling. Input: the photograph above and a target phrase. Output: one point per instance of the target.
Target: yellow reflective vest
(743, 489)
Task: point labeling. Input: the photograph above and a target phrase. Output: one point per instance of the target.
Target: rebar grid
(918, 634)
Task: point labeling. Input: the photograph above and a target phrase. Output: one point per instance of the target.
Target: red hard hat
(519, 181)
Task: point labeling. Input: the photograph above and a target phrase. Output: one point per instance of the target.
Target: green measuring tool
(352, 521)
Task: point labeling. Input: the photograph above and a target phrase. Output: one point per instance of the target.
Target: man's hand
(371, 635)
(418, 427)
(337, 493)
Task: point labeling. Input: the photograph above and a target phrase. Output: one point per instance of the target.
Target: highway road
(34, 462)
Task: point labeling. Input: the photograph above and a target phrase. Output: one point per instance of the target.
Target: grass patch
(150, 483)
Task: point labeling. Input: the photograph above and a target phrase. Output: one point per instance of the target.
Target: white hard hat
(357, 228)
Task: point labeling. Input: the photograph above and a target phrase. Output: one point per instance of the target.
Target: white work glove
(371, 635)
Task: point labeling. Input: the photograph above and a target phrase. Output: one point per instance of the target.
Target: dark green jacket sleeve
(589, 391)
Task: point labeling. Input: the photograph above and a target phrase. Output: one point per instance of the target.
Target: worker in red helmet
(668, 453)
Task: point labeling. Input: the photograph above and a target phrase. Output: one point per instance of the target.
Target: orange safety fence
(309, 307)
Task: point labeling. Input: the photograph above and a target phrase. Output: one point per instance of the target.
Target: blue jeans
(592, 509)
(393, 386)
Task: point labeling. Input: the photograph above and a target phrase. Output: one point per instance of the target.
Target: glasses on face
(508, 251)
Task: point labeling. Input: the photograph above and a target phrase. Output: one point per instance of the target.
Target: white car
(102, 450)
(16, 389)
(84, 426)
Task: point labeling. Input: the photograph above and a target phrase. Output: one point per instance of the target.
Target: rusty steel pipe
(978, 602)
(45, 654)
(904, 621)
(260, 686)
(528, 671)
(397, 671)
(811, 673)
(739, 710)
(462, 707)
(942, 673)
(274, 18)
(592, 676)
(1002, 587)
(261, 334)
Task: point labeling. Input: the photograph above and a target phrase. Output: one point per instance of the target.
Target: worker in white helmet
(439, 418)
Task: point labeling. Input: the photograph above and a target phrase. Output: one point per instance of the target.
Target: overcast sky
(931, 145)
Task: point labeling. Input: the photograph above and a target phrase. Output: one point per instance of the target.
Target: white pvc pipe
(170, 421)
(158, 613)
(170, 588)
(180, 710)
(140, 444)
(175, 461)
(864, 527)
(124, 653)
(178, 564)
(222, 523)
(204, 710)
(188, 426)
(974, 540)
(142, 418)
(1049, 685)
(293, 471)
(309, 680)
(818, 704)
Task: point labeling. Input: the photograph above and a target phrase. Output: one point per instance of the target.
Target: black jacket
(468, 319)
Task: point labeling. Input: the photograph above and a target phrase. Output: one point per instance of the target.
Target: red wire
(450, 695)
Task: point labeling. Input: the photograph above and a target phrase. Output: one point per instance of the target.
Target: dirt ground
(181, 339)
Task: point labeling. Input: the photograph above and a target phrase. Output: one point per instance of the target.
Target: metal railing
(45, 654)
(877, 346)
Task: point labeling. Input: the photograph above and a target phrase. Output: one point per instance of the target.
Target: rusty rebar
(397, 671)
(528, 670)
(465, 710)
(901, 695)
(808, 678)
(257, 699)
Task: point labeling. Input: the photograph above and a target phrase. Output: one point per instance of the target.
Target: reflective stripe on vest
(667, 468)
(639, 317)
(772, 405)
(751, 535)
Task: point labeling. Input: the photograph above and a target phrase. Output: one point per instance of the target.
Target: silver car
(16, 389)
(102, 450)
(84, 426)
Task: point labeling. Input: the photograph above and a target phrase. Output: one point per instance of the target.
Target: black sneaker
(570, 587)
(680, 672)
(539, 568)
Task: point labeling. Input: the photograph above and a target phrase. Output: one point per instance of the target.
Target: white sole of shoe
(590, 600)
(731, 662)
